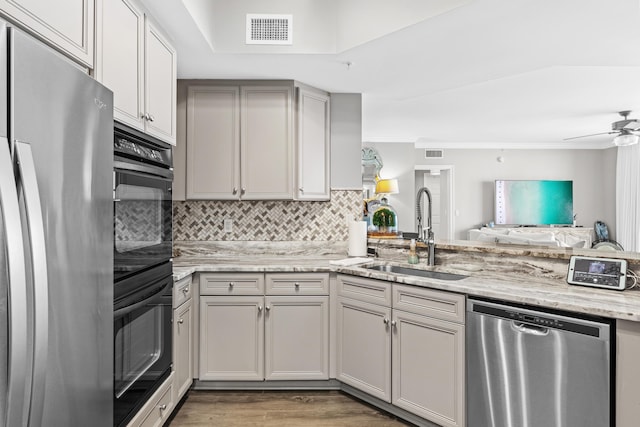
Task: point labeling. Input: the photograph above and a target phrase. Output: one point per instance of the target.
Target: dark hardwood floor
(278, 408)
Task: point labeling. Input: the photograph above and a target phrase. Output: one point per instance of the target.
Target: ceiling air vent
(269, 29)
(433, 154)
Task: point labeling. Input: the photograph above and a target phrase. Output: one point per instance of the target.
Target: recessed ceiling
(485, 73)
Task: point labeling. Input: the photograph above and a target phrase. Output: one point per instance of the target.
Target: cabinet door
(266, 142)
(231, 338)
(297, 338)
(182, 348)
(66, 24)
(213, 142)
(364, 347)
(428, 368)
(160, 85)
(119, 59)
(313, 144)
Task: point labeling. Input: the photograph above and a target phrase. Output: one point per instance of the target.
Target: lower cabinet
(364, 347)
(182, 349)
(428, 368)
(231, 338)
(407, 349)
(257, 337)
(182, 338)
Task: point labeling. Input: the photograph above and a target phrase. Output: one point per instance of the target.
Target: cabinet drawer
(368, 290)
(231, 284)
(297, 284)
(437, 304)
(181, 291)
(161, 410)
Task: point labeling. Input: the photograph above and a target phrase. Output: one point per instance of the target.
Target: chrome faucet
(425, 234)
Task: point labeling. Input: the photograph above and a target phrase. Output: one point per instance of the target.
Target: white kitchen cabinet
(67, 25)
(213, 142)
(247, 336)
(240, 142)
(313, 166)
(428, 368)
(297, 338)
(138, 64)
(428, 342)
(182, 338)
(364, 347)
(404, 345)
(231, 338)
(158, 408)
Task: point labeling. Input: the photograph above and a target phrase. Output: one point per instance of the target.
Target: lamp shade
(387, 186)
(625, 138)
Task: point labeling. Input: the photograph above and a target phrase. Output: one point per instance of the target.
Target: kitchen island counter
(532, 285)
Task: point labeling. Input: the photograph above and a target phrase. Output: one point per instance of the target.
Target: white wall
(475, 170)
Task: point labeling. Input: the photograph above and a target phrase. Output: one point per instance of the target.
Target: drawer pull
(185, 290)
(297, 285)
(162, 407)
(231, 285)
(181, 321)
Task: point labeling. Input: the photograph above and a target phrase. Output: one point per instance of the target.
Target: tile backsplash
(263, 220)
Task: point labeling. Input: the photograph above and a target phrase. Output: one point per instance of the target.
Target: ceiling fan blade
(586, 136)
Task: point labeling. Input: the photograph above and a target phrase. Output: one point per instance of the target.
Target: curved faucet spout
(425, 234)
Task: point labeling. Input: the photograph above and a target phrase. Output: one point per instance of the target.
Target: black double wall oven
(143, 281)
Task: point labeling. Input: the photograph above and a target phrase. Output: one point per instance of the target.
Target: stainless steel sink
(415, 272)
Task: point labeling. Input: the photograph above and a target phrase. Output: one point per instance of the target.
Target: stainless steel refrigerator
(56, 239)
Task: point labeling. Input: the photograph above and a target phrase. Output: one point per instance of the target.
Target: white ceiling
(484, 73)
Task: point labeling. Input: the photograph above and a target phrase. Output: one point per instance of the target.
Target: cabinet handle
(297, 285)
(185, 290)
(267, 308)
(393, 323)
(385, 321)
(231, 285)
(243, 190)
(259, 309)
(162, 407)
(151, 118)
(235, 190)
(301, 189)
(181, 321)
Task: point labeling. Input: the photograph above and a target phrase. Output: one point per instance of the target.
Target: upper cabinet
(256, 140)
(312, 144)
(138, 64)
(240, 141)
(66, 24)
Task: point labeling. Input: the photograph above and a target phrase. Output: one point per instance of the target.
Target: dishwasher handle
(525, 328)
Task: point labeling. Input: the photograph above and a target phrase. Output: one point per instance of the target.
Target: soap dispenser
(413, 256)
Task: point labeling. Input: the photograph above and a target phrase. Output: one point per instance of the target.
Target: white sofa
(567, 237)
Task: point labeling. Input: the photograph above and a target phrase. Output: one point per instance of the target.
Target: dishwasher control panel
(605, 273)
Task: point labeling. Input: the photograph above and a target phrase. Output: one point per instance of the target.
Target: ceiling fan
(627, 130)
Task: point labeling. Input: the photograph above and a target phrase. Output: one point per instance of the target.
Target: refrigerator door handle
(17, 292)
(35, 225)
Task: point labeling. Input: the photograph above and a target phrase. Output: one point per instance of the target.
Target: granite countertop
(519, 288)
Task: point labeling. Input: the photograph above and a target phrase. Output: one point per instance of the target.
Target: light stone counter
(515, 274)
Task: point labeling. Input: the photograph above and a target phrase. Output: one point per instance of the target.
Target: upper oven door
(142, 218)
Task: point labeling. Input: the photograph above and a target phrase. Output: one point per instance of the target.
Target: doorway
(439, 180)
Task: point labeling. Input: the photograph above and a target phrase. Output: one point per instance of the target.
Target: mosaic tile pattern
(203, 220)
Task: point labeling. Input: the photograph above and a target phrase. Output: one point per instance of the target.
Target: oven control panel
(605, 273)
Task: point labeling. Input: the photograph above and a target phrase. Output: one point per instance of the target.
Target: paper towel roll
(357, 238)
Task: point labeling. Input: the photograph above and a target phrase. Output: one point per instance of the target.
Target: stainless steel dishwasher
(530, 368)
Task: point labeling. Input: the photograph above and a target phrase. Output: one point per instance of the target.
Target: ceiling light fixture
(625, 138)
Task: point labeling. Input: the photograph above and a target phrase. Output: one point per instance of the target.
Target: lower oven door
(142, 346)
